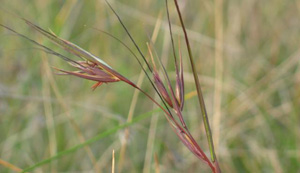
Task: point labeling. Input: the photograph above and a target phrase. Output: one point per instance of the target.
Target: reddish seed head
(91, 71)
(162, 90)
(93, 68)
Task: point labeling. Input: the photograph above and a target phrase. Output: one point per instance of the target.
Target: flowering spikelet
(158, 82)
(91, 71)
(179, 88)
(92, 68)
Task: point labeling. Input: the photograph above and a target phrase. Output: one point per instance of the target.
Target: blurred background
(247, 54)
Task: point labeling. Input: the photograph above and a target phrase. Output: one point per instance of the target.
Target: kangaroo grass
(199, 94)
(95, 138)
(180, 129)
(93, 68)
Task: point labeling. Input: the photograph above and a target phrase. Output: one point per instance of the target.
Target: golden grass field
(248, 59)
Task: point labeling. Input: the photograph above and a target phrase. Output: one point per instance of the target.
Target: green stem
(199, 91)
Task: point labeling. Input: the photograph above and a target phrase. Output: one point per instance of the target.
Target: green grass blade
(90, 141)
(198, 88)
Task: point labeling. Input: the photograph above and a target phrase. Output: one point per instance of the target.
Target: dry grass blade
(10, 166)
(218, 70)
(113, 162)
(157, 170)
(134, 101)
(64, 106)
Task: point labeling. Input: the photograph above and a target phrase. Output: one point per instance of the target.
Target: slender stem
(171, 35)
(130, 36)
(183, 130)
(199, 91)
(175, 102)
(143, 57)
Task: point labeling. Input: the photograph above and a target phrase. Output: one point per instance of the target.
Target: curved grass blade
(92, 140)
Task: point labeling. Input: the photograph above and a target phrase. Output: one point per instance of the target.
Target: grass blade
(90, 141)
(143, 57)
(199, 92)
(10, 166)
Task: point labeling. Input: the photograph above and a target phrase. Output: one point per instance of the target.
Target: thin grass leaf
(179, 88)
(168, 112)
(180, 81)
(216, 167)
(92, 140)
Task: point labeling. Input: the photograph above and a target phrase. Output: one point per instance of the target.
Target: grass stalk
(199, 92)
(129, 119)
(113, 162)
(93, 68)
(153, 125)
(157, 169)
(65, 108)
(181, 131)
(50, 123)
(135, 98)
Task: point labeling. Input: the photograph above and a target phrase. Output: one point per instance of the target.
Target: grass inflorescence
(250, 96)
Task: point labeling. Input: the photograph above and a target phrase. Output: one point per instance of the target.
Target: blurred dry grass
(259, 93)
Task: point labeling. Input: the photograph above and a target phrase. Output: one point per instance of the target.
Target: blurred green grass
(259, 129)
